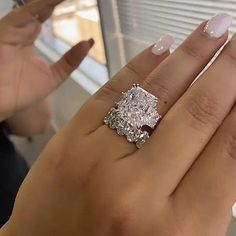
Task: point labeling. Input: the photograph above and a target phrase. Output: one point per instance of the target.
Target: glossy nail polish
(163, 45)
(218, 25)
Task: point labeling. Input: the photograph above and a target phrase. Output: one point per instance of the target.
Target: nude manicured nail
(163, 45)
(218, 25)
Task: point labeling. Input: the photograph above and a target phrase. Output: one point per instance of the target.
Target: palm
(29, 78)
(25, 77)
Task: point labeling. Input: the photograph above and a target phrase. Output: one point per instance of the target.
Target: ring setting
(134, 115)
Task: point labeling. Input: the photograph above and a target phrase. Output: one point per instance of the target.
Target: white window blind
(148, 20)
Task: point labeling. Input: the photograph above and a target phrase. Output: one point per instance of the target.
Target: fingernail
(91, 42)
(218, 25)
(163, 45)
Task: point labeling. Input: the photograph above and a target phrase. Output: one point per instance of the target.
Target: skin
(90, 181)
(26, 79)
(33, 120)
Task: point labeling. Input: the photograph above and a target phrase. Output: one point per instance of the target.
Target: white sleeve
(5, 7)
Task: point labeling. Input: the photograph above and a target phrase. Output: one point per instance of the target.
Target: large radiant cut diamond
(138, 107)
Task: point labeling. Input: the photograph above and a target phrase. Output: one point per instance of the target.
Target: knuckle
(131, 69)
(69, 60)
(107, 91)
(190, 49)
(159, 86)
(204, 109)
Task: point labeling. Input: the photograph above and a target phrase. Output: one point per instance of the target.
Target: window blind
(148, 20)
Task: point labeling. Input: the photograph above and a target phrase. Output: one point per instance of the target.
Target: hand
(34, 120)
(90, 181)
(25, 77)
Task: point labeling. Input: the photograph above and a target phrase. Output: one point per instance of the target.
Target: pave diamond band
(134, 115)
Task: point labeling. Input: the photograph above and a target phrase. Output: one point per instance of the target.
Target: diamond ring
(134, 115)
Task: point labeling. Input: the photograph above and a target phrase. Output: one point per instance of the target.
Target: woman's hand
(25, 77)
(90, 182)
(34, 120)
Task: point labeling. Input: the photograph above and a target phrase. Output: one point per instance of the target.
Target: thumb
(71, 60)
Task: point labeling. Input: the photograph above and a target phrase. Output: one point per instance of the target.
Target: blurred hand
(89, 181)
(25, 77)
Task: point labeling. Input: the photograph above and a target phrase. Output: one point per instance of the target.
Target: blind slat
(150, 19)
